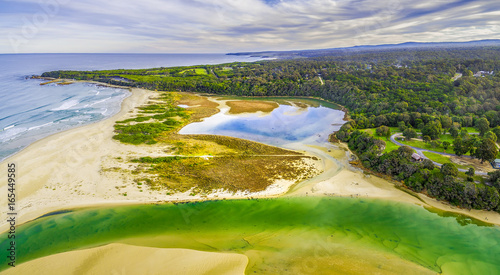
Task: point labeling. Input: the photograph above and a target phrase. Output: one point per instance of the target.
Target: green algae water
(284, 235)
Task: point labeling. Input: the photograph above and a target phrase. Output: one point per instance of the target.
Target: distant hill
(371, 48)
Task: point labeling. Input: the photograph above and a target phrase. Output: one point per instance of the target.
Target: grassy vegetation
(444, 159)
(140, 133)
(167, 118)
(437, 157)
(446, 137)
(202, 163)
(229, 173)
(428, 146)
(243, 146)
(242, 106)
(195, 71)
(389, 145)
(471, 130)
(143, 78)
(285, 100)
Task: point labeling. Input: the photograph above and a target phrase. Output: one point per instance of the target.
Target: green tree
(491, 136)
(449, 169)
(483, 126)
(464, 133)
(426, 138)
(428, 164)
(454, 132)
(446, 144)
(383, 131)
(409, 133)
(470, 174)
(496, 131)
(494, 178)
(446, 122)
(459, 146)
(432, 129)
(402, 126)
(487, 150)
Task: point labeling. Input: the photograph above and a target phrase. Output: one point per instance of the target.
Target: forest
(431, 91)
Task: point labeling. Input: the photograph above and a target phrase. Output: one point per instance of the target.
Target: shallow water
(284, 125)
(286, 234)
(29, 112)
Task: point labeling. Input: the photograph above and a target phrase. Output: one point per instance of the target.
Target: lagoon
(284, 125)
(282, 234)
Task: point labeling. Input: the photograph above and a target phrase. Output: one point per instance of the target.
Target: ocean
(29, 111)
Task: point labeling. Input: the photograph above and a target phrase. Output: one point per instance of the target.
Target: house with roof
(416, 157)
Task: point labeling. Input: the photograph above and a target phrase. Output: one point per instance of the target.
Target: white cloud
(237, 25)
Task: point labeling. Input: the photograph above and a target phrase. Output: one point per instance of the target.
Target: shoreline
(93, 143)
(128, 89)
(71, 156)
(119, 258)
(29, 154)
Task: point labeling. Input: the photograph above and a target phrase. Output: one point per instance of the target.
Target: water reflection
(284, 125)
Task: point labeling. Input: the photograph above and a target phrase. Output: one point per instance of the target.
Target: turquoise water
(274, 233)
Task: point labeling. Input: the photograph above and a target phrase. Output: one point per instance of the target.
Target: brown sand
(249, 106)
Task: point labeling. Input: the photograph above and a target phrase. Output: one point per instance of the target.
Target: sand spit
(128, 259)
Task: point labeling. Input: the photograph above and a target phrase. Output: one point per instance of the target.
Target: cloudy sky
(219, 26)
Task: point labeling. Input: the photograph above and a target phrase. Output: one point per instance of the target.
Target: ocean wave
(8, 127)
(97, 102)
(11, 133)
(40, 126)
(66, 105)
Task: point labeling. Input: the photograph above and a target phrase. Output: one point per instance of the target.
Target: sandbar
(128, 259)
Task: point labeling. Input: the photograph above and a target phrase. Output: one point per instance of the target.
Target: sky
(221, 26)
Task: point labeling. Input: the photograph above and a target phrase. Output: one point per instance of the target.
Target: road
(421, 150)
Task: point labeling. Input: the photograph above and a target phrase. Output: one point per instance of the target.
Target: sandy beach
(77, 168)
(69, 170)
(129, 259)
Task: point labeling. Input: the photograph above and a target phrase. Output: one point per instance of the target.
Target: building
(416, 157)
(496, 164)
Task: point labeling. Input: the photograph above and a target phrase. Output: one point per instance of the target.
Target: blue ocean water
(29, 112)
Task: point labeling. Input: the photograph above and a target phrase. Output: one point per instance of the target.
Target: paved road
(421, 150)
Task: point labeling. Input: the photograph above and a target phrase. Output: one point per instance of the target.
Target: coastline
(68, 82)
(65, 171)
(44, 153)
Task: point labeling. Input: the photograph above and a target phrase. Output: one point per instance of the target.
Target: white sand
(66, 171)
(79, 168)
(352, 182)
(127, 259)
